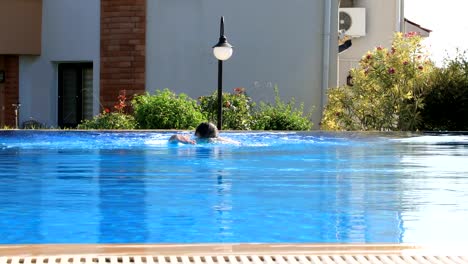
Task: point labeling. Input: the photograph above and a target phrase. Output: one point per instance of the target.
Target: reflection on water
(275, 187)
(436, 176)
(122, 196)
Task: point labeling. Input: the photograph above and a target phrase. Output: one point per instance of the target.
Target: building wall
(409, 27)
(123, 35)
(276, 43)
(8, 90)
(382, 21)
(20, 26)
(281, 44)
(70, 33)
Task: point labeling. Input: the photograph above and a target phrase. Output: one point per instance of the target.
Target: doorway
(75, 93)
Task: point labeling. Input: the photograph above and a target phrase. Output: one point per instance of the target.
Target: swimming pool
(134, 187)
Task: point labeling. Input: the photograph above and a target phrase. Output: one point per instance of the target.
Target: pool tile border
(229, 249)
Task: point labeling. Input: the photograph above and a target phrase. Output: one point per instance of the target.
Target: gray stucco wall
(277, 43)
(70, 33)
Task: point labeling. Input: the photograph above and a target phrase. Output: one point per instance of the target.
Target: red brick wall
(10, 91)
(123, 36)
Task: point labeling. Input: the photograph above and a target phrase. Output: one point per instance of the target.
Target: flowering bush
(121, 104)
(387, 92)
(236, 109)
(111, 120)
(166, 110)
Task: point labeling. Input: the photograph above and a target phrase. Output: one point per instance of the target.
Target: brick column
(9, 89)
(123, 36)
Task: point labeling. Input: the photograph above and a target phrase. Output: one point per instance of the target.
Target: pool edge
(228, 249)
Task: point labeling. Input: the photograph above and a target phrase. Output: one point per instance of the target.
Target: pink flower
(107, 110)
(391, 70)
(420, 67)
(405, 63)
(369, 56)
(379, 48)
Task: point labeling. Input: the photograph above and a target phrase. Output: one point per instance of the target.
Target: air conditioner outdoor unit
(353, 21)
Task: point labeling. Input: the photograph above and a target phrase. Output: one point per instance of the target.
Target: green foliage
(387, 92)
(446, 104)
(166, 110)
(114, 120)
(281, 116)
(33, 124)
(236, 109)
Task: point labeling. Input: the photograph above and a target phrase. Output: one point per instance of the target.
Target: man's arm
(182, 139)
(227, 140)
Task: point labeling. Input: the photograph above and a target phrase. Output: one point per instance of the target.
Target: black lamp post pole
(220, 79)
(222, 51)
(220, 95)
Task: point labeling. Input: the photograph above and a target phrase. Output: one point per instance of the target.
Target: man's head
(206, 130)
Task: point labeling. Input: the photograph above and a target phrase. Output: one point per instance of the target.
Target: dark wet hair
(206, 130)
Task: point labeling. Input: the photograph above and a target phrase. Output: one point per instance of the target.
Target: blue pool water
(134, 187)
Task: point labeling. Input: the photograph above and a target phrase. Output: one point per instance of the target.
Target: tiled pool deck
(230, 254)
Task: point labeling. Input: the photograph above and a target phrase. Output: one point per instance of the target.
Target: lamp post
(16, 107)
(222, 51)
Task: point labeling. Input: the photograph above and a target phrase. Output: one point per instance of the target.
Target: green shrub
(446, 104)
(281, 116)
(388, 89)
(114, 120)
(236, 109)
(33, 124)
(166, 110)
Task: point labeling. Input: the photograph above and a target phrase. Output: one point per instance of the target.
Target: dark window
(75, 93)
